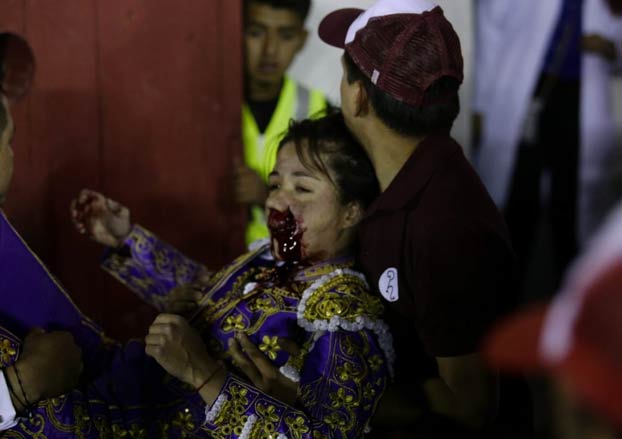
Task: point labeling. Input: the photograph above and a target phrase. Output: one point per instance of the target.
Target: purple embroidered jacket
(342, 369)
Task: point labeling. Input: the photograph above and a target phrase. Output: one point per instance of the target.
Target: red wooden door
(139, 99)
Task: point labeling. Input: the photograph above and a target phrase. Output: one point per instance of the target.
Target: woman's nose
(277, 200)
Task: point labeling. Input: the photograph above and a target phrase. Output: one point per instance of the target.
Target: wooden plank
(139, 99)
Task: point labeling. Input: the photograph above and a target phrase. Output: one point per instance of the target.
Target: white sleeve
(598, 19)
(8, 416)
(489, 18)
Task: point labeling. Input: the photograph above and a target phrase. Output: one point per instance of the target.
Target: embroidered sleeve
(150, 267)
(9, 348)
(341, 380)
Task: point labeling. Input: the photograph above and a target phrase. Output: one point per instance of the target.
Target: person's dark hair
(326, 144)
(300, 7)
(437, 116)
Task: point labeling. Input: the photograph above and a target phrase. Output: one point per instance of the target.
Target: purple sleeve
(150, 267)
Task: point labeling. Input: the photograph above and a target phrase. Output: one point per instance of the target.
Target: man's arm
(466, 390)
(49, 365)
(463, 273)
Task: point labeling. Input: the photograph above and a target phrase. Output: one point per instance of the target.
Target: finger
(289, 346)
(35, 331)
(197, 293)
(204, 279)
(242, 362)
(77, 217)
(72, 208)
(85, 195)
(180, 307)
(114, 206)
(76, 211)
(154, 351)
(190, 293)
(164, 329)
(169, 319)
(259, 359)
(155, 340)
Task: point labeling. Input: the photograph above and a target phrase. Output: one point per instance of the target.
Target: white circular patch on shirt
(388, 285)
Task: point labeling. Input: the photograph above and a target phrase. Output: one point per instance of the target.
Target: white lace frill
(213, 412)
(377, 326)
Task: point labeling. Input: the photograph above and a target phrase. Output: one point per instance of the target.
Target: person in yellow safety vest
(274, 33)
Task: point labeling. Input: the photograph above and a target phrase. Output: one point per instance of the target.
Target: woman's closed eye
(273, 186)
(303, 189)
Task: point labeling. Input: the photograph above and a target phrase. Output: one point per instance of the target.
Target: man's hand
(599, 45)
(184, 300)
(248, 186)
(261, 371)
(465, 392)
(102, 219)
(179, 349)
(50, 364)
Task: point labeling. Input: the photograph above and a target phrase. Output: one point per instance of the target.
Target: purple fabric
(124, 393)
(343, 365)
(150, 267)
(30, 296)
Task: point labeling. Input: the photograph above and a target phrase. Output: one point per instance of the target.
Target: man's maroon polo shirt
(436, 248)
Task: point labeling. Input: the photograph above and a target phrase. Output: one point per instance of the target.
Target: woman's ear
(353, 215)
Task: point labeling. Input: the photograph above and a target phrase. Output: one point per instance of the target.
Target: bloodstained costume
(342, 369)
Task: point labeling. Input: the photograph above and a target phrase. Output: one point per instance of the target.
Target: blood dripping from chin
(288, 236)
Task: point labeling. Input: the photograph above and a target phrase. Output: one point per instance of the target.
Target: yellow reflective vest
(295, 102)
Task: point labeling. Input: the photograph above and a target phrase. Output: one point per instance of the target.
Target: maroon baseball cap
(402, 46)
(577, 337)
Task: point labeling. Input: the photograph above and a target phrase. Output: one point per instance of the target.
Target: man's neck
(387, 150)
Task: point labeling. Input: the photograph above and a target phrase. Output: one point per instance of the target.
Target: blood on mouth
(288, 236)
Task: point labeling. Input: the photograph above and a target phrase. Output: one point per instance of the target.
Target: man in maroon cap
(433, 245)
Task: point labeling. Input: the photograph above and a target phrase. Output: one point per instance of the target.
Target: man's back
(436, 248)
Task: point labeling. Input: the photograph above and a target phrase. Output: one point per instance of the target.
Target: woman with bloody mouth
(300, 286)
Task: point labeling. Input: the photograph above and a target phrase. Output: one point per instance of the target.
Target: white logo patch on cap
(388, 285)
(374, 77)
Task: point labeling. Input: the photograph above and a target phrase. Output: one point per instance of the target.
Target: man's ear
(361, 100)
(353, 215)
